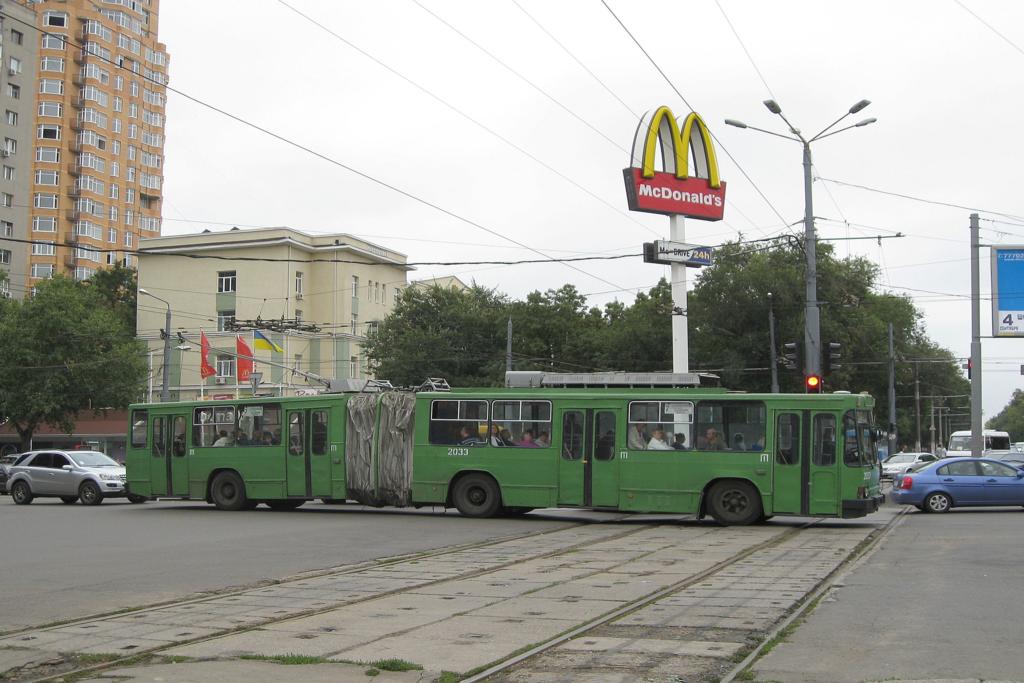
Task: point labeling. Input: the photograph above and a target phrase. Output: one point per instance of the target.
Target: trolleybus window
(523, 424)
(178, 442)
(140, 425)
(258, 425)
(868, 454)
(824, 448)
(604, 434)
(671, 419)
(213, 426)
(318, 439)
(851, 451)
(295, 442)
(572, 435)
(159, 438)
(730, 425)
(787, 439)
(458, 422)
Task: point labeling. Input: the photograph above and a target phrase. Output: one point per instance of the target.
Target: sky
(502, 129)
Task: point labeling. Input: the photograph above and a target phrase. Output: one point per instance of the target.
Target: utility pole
(892, 394)
(917, 409)
(931, 429)
(977, 435)
(771, 341)
(508, 346)
(812, 320)
(165, 389)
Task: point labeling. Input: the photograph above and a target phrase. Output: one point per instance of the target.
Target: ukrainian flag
(259, 341)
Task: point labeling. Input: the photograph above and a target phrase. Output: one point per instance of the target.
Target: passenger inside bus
(222, 439)
(468, 438)
(711, 441)
(496, 439)
(658, 441)
(679, 441)
(637, 438)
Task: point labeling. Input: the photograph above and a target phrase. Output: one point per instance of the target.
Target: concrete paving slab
(276, 643)
(530, 609)
(123, 646)
(482, 587)
(461, 643)
(646, 617)
(602, 586)
(244, 671)
(26, 660)
(678, 648)
(48, 640)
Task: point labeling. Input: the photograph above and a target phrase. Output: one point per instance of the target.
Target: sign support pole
(680, 322)
(977, 433)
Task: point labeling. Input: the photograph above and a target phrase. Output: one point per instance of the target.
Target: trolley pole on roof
(977, 435)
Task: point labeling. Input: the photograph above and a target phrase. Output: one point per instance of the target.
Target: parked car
(898, 463)
(5, 464)
(959, 482)
(88, 476)
(1013, 459)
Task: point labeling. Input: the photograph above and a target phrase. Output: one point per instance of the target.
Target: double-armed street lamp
(812, 322)
(165, 390)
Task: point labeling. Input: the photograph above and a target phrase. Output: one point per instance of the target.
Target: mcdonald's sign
(672, 190)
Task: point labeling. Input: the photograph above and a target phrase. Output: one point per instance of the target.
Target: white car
(899, 463)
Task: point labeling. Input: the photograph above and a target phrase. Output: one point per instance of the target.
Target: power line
(684, 100)
(990, 27)
(476, 122)
(330, 160)
(920, 199)
(750, 57)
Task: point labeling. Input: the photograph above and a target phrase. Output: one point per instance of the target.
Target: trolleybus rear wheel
(734, 503)
(228, 492)
(477, 495)
(285, 504)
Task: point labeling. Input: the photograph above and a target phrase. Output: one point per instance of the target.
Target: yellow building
(315, 297)
(99, 92)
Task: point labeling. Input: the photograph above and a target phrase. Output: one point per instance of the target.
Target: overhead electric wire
(474, 121)
(684, 100)
(328, 159)
(990, 27)
(920, 199)
(750, 57)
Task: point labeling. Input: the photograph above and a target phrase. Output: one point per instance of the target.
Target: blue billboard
(1008, 291)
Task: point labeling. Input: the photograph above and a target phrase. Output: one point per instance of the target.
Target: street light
(165, 390)
(812, 320)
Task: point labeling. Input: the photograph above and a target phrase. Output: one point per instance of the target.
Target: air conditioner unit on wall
(222, 380)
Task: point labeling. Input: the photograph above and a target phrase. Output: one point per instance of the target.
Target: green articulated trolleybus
(616, 441)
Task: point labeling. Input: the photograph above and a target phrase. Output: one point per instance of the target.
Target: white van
(996, 443)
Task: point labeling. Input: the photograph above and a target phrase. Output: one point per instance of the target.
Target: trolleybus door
(588, 471)
(169, 470)
(297, 467)
(790, 468)
(823, 487)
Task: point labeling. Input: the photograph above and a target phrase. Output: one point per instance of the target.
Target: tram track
(633, 534)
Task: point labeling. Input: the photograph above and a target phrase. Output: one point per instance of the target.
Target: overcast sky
(542, 165)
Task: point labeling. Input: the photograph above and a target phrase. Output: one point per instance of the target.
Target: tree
(63, 351)
(119, 288)
(1011, 417)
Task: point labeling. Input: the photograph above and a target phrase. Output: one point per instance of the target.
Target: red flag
(244, 362)
(205, 369)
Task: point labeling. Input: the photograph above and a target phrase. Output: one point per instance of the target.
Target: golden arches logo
(659, 128)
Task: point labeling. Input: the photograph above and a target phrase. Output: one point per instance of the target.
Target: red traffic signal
(812, 383)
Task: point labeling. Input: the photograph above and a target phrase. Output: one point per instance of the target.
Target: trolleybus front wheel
(228, 492)
(477, 495)
(734, 503)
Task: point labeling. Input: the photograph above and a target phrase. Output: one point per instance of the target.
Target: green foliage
(63, 351)
(119, 288)
(288, 660)
(460, 335)
(1011, 417)
(395, 665)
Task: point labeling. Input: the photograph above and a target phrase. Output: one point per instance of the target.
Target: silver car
(88, 476)
(899, 463)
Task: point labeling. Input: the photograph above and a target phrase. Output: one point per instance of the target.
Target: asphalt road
(939, 599)
(59, 562)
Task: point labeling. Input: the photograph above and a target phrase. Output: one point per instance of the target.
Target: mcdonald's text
(666, 194)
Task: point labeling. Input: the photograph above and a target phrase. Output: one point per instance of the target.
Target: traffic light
(969, 366)
(812, 384)
(793, 355)
(830, 360)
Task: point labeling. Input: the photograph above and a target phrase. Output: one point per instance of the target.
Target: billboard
(1008, 291)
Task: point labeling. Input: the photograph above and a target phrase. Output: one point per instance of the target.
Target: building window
(54, 41)
(42, 270)
(225, 321)
(128, 238)
(112, 236)
(50, 154)
(5, 257)
(15, 67)
(12, 118)
(44, 200)
(52, 64)
(43, 249)
(355, 323)
(6, 199)
(298, 285)
(17, 37)
(226, 281)
(44, 223)
(8, 173)
(355, 285)
(225, 366)
(113, 213)
(353, 366)
(47, 177)
(48, 131)
(6, 229)
(55, 19)
(51, 109)
(51, 86)
(10, 146)
(13, 91)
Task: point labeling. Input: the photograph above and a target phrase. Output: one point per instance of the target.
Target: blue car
(959, 482)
